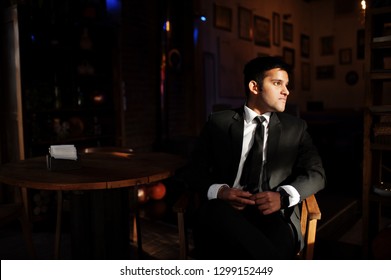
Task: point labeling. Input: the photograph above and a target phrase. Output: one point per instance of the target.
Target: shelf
(382, 39)
(381, 147)
(378, 11)
(381, 45)
(380, 75)
(101, 109)
(376, 155)
(380, 109)
(380, 199)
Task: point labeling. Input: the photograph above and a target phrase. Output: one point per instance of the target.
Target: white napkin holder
(62, 157)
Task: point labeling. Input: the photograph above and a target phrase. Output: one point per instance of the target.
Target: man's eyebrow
(279, 80)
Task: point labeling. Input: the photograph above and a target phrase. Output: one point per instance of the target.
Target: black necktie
(252, 167)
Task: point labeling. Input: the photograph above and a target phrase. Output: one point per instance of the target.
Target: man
(236, 222)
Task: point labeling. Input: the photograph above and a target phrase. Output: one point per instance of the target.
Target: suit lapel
(272, 143)
(237, 137)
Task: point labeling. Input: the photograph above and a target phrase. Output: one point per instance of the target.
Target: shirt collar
(249, 115)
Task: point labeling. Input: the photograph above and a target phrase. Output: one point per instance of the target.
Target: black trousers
(222, 232)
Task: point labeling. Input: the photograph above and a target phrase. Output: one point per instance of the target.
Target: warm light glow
(362, 13)
(99, 98)
(167, 26)
(363, 4)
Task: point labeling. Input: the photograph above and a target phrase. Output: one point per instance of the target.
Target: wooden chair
(309, 217)
(12, 211)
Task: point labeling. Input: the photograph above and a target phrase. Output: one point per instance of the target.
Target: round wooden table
(96, 172)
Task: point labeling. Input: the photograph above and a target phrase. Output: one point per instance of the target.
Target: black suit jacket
(291, 157)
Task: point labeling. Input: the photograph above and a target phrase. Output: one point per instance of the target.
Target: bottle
(80, 98)
(97, 127)
(57, 94)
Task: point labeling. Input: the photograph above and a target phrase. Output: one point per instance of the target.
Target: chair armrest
(313, 208)
(310, 215)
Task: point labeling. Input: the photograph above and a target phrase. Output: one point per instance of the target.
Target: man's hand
(267, 202)
(236, 197)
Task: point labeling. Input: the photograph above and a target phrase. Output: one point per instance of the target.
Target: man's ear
(253, 86)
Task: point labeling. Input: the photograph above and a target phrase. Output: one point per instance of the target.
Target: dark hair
(255, 69)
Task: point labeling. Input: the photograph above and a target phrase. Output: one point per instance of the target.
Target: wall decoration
(287, 32)
(305, 45)
(210, 79)
(360, 44)
(222, 17)
(305, 76)
(345, 56)
(261, 31)
(245, 24)
(291, 85)
(325, 72)
(345, 7)
(327, 45)
(276, 29)
(351, 78)
(288, 54)
(230, 61)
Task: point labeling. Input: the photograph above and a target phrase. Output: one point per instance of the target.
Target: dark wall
(147, 117)
(157, 69)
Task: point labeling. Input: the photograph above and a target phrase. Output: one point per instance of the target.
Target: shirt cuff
(294, 196)
(213, 190)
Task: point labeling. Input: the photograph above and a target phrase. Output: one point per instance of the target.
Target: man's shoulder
(227, 114)
(289, 118)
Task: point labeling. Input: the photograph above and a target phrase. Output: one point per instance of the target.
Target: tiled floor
(160, 241)
(160, 238)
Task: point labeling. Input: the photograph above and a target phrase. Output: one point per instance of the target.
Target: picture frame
(261, 31)
(222, 17)
(345, 56)
(351, 78)
(287, 32)
(276, 29)
(327, 45)
(245, 24)
(360, 44)
(288, 55)
(305, 76)
(325, 72)
(305, 45)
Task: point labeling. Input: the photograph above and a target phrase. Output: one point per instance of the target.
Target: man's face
(274, 93)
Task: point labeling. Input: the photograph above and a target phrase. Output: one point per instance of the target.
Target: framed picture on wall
(327, 45)
(222, 17)
(245, 24)
(325, 72)
(287, 32)
(305, 76)
(305, 45)
(261, 31)
(345, 56)
(360, 44)
(288, 54)
(276, 29)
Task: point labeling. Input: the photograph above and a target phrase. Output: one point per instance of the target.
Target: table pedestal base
(100, 224)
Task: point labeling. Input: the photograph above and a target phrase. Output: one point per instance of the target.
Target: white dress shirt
(248, 139)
